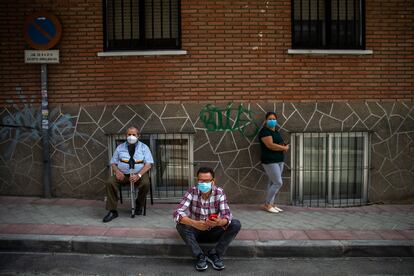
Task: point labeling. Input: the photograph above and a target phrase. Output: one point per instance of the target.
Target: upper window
(328, 24)
(141, 24)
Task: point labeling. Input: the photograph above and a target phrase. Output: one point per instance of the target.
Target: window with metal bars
(173, 170)
(141, 24)
(328, 24)
(330, 169)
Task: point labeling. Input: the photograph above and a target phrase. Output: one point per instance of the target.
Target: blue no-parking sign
(42, 30)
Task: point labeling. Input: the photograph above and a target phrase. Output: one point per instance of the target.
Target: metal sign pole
(42, 31)
(45, 133)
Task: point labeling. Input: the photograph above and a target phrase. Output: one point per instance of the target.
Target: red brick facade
(237, 51)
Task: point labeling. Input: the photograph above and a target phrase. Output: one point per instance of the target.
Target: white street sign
(41, 56)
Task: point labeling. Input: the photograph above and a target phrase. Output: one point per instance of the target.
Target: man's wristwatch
(139, 175)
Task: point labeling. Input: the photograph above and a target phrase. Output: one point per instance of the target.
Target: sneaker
(215, 261)
(270, 209)
(201, 263)
(277, 208)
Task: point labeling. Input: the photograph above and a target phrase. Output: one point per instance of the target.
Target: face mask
(204, 187)
(271, 123)
(132, 139)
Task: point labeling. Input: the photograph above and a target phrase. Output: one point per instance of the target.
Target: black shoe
(215, 261)
(201, 263)
(138, 211)
(110, 216)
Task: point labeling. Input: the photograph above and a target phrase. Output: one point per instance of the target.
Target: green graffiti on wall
(229, 119)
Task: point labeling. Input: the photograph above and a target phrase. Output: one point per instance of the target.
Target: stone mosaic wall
(79, 141)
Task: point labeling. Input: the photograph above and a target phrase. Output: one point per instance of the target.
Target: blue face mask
(204, 187)
(271, 123)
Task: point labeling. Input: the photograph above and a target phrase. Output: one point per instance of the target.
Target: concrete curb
(239, 248)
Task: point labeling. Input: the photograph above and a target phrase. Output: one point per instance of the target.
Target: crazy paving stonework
(79, 144)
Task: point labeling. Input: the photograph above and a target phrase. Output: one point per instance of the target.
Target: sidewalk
(74, 225)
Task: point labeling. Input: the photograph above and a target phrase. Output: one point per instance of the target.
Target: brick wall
(237, 51)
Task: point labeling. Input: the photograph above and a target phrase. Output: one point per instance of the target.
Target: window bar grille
(297, 178)
(172, 165)
(131, 21)
(355, 25)
(185, 165)
(161, 20)
(318, 31)
(165, 172)
(122, 20)
(301, 20)
(152, 20)
(106, 19)
(362, 23)
(357, 178)
(170, 16)
(301, 174)
(304, 167)
(331, 167)
(179, 155)
(335, 174)
(340, 170)
(171, 147)
(311, 166)
(182, 162)
(158, 165)
(328, 169)
(338, 29)
(361, 167)
(366, 164)
(308, 168)
(314, 167)
(321, 184)
(113, 20)
(347, 172)
(309, 21)
(163, 168)
(346, 22)
(175, 167)
(352, 177)
(328, 23)
(358, 183)
(296, 188)
(141, 18)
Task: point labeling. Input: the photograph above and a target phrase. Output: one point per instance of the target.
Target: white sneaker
(271, 210)
(277, 208)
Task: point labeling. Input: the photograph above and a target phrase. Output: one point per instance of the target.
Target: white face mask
(132, 139)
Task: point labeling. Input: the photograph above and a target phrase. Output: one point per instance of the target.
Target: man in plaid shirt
(204, 216)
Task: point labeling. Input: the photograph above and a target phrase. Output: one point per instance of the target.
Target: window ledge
(143, 53)
(329, 52)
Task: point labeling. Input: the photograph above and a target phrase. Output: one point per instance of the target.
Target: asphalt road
(78, 264)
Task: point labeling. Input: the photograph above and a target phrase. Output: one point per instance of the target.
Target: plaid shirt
(195, 207)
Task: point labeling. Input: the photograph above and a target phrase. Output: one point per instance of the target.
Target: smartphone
(212, 216)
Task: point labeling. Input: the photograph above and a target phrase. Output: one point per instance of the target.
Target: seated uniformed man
(132, 153)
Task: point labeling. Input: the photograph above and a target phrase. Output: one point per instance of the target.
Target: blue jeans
(223, 237)
(274, 173)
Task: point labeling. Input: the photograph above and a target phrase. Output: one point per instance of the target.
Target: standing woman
(272, 156)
